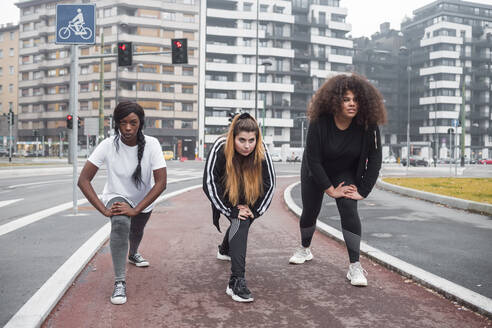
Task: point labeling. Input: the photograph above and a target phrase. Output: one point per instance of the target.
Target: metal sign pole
(73, 109)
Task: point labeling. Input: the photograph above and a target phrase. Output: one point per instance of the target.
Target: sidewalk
(185, 284)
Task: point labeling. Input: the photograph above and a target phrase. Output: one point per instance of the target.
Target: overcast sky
(364, 15)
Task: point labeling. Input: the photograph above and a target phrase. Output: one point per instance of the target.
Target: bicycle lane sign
(75, 24)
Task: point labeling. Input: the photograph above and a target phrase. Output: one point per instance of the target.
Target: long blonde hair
(243, 174)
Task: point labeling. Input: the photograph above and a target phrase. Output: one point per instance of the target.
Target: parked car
(415, 161)
(4, 152)
(390, 159)
(485, 161)
(276, 158)
(168, 155)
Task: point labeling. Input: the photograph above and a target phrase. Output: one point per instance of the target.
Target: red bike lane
(185, 284)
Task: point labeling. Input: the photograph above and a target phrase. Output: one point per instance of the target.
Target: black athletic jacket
(369, 162)
(214, 184)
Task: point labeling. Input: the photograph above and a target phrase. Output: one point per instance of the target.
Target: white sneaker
(223, 257)
(301, 255)
(357, 275)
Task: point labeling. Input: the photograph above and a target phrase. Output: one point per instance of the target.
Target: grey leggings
(124, 229)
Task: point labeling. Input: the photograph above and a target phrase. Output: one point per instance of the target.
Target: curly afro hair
(329, 98)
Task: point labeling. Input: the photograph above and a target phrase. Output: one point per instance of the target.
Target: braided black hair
(123, 109)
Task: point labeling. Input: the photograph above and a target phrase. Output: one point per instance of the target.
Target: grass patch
(476, 189)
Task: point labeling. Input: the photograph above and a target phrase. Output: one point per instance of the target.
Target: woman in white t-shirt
(136, 177)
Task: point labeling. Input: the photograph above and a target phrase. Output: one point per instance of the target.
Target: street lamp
(118, 25)
(436, 136)
(404, 49)
(265, 63)
(137, 68)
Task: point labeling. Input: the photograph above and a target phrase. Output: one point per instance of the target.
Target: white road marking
(34, 217)
(8, 202)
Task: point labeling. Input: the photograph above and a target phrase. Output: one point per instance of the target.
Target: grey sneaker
(119, 293)
(301, 255)
(138, 260)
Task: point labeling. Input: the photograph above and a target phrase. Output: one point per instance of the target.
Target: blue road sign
(76, 24)
(455, 123)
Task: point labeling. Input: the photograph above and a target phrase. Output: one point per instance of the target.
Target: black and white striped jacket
(214, 184)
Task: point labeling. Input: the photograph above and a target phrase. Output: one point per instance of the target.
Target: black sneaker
(238, 290)
(223, 255)
(138, 260)
(119, 293)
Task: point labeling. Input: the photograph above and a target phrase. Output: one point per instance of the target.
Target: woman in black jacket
(239, 181)
(342, 159)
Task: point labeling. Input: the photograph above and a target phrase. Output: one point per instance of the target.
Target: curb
(39, 306)
(459, 203)
(448, 289)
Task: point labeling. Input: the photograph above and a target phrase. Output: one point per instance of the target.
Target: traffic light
(69, 121)
(125, 54)
(11, 117)
(179, 49)
(79, 122)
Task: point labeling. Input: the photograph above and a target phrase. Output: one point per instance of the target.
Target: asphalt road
(453, 244)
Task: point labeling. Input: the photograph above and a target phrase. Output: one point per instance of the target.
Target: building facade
(9, 76)
(168, 93)
(450, 56)
(300, 44)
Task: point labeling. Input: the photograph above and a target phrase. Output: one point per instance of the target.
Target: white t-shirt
(122, 163)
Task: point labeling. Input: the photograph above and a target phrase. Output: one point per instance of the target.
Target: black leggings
(235, 243)
(312, 199)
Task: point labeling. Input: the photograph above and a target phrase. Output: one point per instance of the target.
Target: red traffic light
(69, 117)
(123, 47)
(178, 44)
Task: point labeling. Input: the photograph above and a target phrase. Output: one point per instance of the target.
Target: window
(188, 71)
(37, 91)
(11, 52)
(107, 85)
(1, 71)
(278, 131)
(37, 58)
(187, 89)
(167, 69)
(247, 42)
(107, 12)
(52, 72)
(62, 89)
(188, 18)
(167, 16)
(84, 87)
(167, 87)
(248, 59)
(167, 106)
(12, 36)
(84, 70)
(247, 6)
(62, 72)
(84, 105)
(25, 76)
(263, 8)
(247, 95)
(1, 53)
(188, 124)
(11, 70)
(247, 77)
(37, 75)
(51, 90)
(263, 78)
(187, 107)
(11, 88)
(25, 92)
(247, 25)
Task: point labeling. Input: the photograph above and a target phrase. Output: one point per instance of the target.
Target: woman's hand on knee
(340, 190)
(122, 208)
(244, 212)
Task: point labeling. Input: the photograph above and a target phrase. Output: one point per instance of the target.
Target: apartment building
(9, 54)
(450, 55)
(378, 59)
(300, 44)
(167, 92)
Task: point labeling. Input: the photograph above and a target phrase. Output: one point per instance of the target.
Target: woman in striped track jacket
(239, 181)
